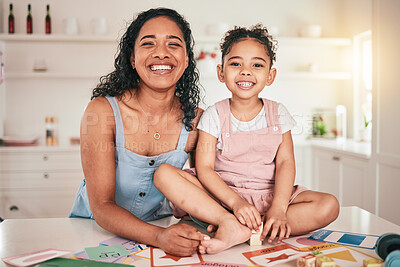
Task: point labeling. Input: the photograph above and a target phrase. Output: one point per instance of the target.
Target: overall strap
(224, 114)
(183, 138)
(119, 127)
(271, 110)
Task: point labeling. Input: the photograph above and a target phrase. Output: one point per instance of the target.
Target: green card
(106, 252)
(62, 262)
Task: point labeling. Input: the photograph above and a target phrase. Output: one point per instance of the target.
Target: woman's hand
(247, 214)
(179, 239)
(275, 222)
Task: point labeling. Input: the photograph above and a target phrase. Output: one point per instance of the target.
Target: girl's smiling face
(246, 69)
(160, 56)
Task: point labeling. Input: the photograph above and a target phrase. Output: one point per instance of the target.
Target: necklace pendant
(156, 136)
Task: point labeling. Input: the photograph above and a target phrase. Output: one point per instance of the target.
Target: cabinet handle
(45, 157)
(336, 158)
(13, 207)
(45, 175)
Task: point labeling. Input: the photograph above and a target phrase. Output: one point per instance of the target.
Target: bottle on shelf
(51, 131)
(29, 21)
(48, 20)
(11, 25)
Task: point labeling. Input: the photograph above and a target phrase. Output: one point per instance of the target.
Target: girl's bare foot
(229, 233)
(212, 228)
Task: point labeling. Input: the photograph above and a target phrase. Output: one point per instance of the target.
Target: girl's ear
(220, 73)
(133, 61)
(271, 76)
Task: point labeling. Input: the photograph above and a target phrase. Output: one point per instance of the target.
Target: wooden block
(372, 263)
(255, 240)
(324, 261)
(306, 261)
(255, 237)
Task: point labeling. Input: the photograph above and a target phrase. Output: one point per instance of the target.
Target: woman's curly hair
(124, 77)
(257, 32)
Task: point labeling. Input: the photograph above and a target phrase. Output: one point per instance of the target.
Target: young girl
(244, 157)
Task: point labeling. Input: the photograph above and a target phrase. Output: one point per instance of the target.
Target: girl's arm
(205, 160)
(193, 138)
(98, 162)
(275, 218)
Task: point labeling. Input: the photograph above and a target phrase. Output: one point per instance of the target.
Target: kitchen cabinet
(343, 175)
(326, 172)
(38, 182)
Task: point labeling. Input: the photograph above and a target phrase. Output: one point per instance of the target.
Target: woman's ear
(271, 76)
(220, 73)
(133, 61)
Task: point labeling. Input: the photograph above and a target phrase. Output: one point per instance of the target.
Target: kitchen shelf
(201, 40)
(314, 41)
(315, 75)
(56, 38)
(288, 41)
(299, 75)
(49, 75)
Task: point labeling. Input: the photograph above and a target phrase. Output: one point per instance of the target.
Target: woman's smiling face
(160, 56)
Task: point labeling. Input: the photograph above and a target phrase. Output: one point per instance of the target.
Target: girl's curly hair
(124, 77)
(257, 32)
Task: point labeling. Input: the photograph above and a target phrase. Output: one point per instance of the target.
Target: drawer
(38, 180)
(36, 204)
(11, 161)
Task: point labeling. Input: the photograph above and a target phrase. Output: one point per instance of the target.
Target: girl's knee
(329, 207)
(162, 172)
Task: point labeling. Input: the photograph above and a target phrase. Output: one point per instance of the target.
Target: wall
(27, 106)
(288, 15)
(385, 161)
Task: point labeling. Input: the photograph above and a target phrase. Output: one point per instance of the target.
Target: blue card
(345, 238)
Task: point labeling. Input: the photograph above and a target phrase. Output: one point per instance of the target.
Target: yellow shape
(342, 255)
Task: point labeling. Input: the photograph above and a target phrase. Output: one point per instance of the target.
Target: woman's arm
(275, 219)
(205, 160)
(98, 161)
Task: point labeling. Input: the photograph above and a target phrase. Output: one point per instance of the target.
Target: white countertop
(346, 146)
(349, 146)
(19, 236)
(40, 148)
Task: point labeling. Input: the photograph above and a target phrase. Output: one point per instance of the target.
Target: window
(363, 86)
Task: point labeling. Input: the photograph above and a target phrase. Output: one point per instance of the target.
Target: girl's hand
(180, 240)
(247, 214)
(275, 222)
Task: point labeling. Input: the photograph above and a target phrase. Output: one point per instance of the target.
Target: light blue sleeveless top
(134, 189)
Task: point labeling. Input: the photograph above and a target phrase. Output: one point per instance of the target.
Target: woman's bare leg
(311, 210)
(187, 193)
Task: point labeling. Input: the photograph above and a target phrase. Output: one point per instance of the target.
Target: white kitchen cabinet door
(18, 204)
(388, 192)
(38, 182)
(345, 176)
(326, 172)
(354, 178)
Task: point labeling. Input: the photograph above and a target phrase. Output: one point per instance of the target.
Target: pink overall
(247, 160)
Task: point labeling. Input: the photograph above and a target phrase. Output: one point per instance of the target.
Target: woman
(142, 115)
